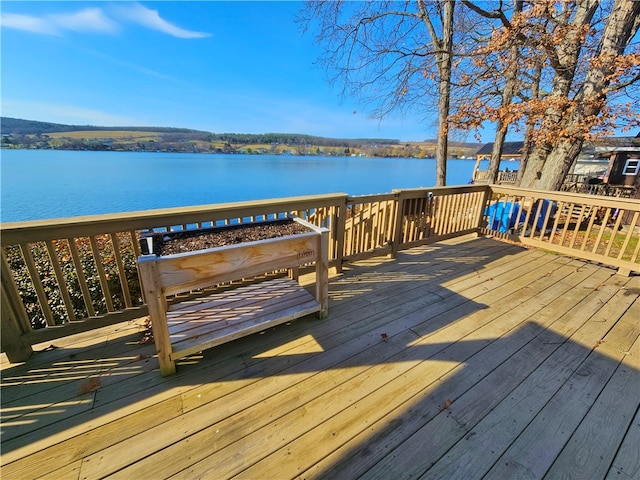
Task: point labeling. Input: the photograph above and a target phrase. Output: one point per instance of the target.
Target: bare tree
(390, 54)
(503, 71)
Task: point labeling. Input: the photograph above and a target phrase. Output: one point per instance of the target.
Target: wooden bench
(191, 326)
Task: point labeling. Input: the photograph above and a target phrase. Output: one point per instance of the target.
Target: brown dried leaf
(91, 385)
(447, 404)
(49, 348)
(146, 338)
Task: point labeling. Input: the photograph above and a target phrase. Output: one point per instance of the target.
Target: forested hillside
(18, 133)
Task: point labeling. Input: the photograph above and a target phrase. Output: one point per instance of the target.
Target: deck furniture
(187, 328)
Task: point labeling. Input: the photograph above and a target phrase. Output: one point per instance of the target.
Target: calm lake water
(39, 184)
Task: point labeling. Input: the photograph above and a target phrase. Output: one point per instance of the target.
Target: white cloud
(95, 20)
(87, 20)
(28, 23)
(151, 19)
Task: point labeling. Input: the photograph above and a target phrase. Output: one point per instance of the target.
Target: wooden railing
(65, 276)
(504, 177)
(622, 191)
(596, 228)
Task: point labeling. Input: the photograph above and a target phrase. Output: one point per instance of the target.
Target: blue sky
(235, 66)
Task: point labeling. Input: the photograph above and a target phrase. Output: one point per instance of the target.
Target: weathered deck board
(608, 419)
(497, 372)
(453, 359)
(627, 462)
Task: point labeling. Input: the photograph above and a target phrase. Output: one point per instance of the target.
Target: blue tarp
(546, 205)
(503, 215)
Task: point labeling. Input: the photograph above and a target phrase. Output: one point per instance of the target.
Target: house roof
(509, 148)
(602, 145)
(618, 144)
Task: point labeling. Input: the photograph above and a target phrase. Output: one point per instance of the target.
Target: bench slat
(245, 311)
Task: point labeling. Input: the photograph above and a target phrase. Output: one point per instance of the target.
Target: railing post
(14, 321)
(13, 345)
(322, 275)
(339, 232)
(397, 230)
(486, 194)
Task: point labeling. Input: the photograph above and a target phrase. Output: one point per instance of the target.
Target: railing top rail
(596, 200)
(370, 198)
(52, 229)
(468, 188)
(415, 193)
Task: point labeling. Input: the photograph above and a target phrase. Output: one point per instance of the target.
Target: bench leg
(163, 341)
(157, 304)
(322, 276)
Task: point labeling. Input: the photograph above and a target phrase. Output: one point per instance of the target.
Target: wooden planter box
(189, 327)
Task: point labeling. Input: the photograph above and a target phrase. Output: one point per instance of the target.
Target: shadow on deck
(463, 359)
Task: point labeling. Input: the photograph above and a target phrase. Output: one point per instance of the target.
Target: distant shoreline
(27, 134)
(203, 152)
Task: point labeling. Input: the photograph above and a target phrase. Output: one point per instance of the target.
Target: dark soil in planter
(180, 242)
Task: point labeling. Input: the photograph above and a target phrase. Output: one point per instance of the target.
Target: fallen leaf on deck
(598, 343)
(49, 348)
(384, 336)
(146, 338)
(91, 385)
(447, 404)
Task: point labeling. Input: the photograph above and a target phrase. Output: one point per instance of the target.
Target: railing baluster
(566, 223)
(592, 220)
(577, 227)
(636, 252)
(60, 280)
(614, 233)
(437, 210)
(43, 301)
(629, 235)
(121, 270)
(556, 222)
(82, 280)
(603, 226)
(445, 213)
(104, 284)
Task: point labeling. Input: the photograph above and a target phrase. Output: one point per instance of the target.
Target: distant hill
(18, 126)
(20, 133)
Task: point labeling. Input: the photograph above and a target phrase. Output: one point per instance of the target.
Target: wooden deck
(463, 359)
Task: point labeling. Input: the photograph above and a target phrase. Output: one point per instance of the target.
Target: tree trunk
(508, 92)
(496, 154)
(442, 143)
(558, 164)
(444, 49)
(565, 63)
(531, 126)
